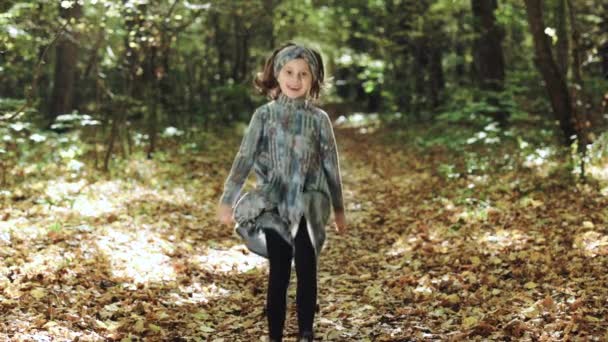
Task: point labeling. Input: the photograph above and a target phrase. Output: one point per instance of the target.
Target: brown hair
(266, 83)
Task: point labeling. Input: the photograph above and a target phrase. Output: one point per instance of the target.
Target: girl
(291, 145)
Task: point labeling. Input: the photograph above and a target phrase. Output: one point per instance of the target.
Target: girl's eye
(288, 72)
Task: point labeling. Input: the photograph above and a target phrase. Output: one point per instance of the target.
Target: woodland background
(472, 144)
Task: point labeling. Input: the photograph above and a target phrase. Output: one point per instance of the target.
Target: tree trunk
(562, 37)
(459, 48)
(554, 82)
(436, 79)
(66, 51)
(576, 50)
(603, 27)
(163, 76)
(134, 20)
(487, 52)
(579, 112)
(241, 49)
(419, 70)
(220, 46)
(244, 70)
(269, 6)
(604, 59)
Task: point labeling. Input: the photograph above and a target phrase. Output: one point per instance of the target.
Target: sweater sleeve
(330, 163)
(243, 162)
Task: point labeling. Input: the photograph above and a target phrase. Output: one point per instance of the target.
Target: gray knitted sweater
(290, 144)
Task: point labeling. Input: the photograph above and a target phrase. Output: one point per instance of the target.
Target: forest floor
(434, 251)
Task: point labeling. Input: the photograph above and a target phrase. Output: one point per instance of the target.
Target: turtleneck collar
(288, 102)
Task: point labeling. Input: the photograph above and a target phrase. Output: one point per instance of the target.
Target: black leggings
(280, 256)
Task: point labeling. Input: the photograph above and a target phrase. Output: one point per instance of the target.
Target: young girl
(291, 145)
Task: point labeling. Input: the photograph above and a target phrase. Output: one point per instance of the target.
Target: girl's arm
(330, 164)
(243, 162)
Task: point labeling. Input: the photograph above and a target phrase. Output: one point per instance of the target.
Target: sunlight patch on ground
(197, 294)
(401, 246)
(502, 238)
(142, 169)
(13, 227)
(540, 161)
(45, 262)
(59, 189)
(93, 207)
(425, 287)
(474, 211)
(90, 201)
(592, 243)
(138, 255)
(236, 259)
(106, 197)
(336, 329)
(53, 331)
(600, 173)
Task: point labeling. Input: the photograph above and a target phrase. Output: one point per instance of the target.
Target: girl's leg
(280, 256)
(306, 271)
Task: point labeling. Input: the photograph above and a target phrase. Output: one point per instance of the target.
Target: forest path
(428, 256)
(510, 254)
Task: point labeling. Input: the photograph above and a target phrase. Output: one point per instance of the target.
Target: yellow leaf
(536, 203)
(374, 292)
(113, 325)
(154, 327)
(469, 322)
(201, 315)
(38, 293)
(453, 299)
(162, 315)
(495, 261)
(332, 335)
(475, 260)
(205, 328)
(139, 326)
(365, 276)
(531, 311)
(101, 324)
(588, 224)
(248, 323)
(49, 324)
(530, 285)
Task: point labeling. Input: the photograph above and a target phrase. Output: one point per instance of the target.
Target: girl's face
(295, 78)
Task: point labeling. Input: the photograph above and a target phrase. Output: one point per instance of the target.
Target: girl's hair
(267, 84)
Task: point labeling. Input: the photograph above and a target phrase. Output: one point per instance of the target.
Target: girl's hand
(224, 214)
(340, 222)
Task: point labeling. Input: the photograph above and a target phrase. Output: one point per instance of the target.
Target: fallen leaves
(425, 258)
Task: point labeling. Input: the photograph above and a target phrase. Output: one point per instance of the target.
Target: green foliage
(598, 150)
(9, 106)
(471, 106)
(192, 63)
(448, 171)
(55, 227)
(232, 101)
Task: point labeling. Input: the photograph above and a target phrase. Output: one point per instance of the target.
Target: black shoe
(306, 337)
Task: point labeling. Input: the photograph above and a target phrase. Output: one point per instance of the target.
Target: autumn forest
(472, 145)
